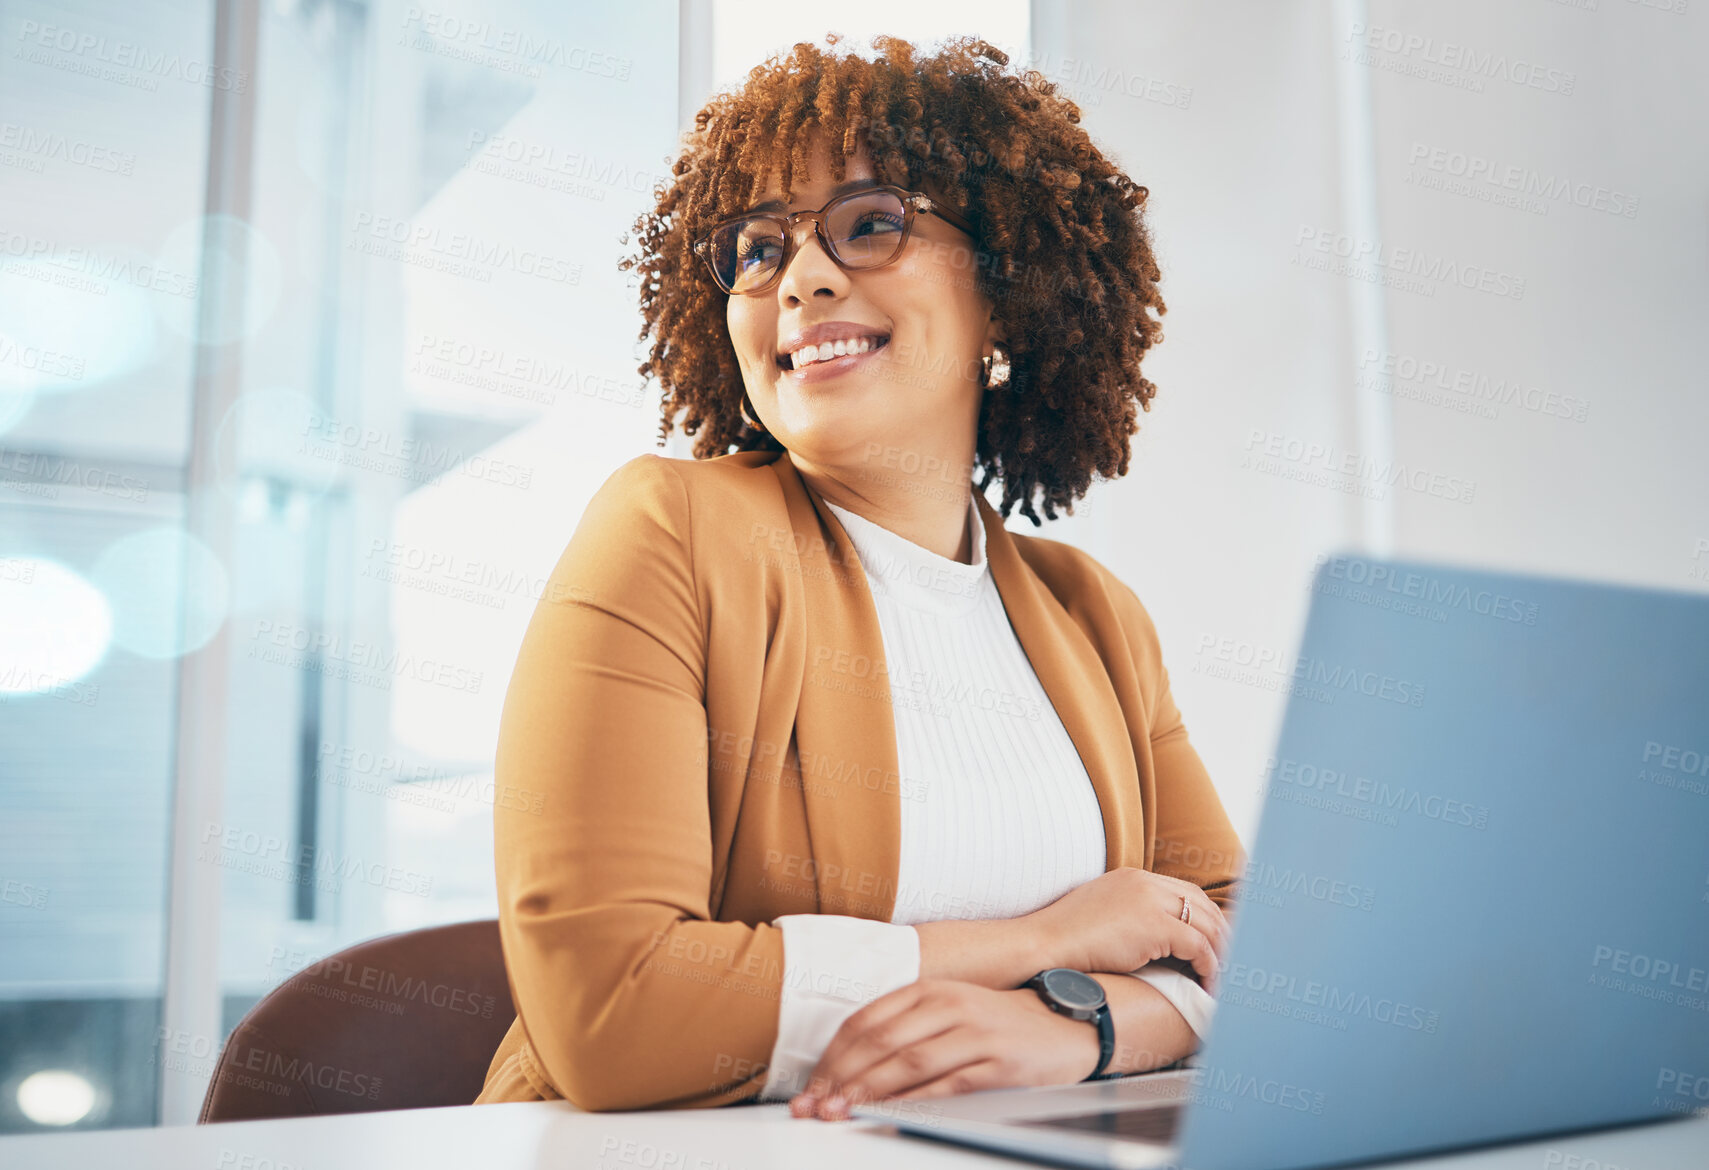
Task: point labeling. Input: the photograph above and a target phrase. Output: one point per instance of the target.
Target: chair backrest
(407, 1021)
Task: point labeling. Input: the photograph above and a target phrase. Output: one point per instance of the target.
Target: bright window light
(55, 626)
(55, 1097)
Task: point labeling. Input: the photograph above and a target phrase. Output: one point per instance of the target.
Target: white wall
(1613, 307)
(1246, 180)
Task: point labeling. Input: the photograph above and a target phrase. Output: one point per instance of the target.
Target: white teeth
(808, 354)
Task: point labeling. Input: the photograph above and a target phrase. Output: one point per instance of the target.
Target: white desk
(547, 1135)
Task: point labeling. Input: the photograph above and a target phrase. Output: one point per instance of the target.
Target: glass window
(297, 558)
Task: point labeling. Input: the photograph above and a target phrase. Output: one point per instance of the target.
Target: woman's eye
(759, 252)
(878, 222)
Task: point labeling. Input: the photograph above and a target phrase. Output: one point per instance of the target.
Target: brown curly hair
(1064, 253)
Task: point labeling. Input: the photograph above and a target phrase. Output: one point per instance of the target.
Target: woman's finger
(918, 1064)
(1207, 917)
(870, 1036)
(1204, 915)
(1191, 945)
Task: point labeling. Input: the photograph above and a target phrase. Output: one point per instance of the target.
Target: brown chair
(407, 1021)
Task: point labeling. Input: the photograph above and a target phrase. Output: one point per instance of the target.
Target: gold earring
(996, 369)
(744, 406)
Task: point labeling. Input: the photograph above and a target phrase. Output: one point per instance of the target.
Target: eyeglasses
(862, 230)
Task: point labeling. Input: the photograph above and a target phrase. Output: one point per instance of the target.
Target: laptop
(1476, 908)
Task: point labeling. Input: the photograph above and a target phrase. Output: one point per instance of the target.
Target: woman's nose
(809, 267)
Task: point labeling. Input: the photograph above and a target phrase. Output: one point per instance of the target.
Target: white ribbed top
(1002, 817)
(998, 815)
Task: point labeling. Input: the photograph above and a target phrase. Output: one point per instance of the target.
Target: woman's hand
(939, 1037)
(1127, 917)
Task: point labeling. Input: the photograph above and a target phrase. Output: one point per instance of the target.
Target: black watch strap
(1106, 1045)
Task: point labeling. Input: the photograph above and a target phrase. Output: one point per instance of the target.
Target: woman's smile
(828, 351)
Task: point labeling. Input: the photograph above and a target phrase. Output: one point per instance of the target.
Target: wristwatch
(1079, 997)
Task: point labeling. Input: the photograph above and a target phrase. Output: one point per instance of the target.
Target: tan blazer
(698, 739)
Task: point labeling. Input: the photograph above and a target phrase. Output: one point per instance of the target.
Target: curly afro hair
(1064, 253)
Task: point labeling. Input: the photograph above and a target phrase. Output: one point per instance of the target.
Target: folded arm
(630, 995)
(1161, 1013)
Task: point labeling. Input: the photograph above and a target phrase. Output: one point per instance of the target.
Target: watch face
(1072, 989)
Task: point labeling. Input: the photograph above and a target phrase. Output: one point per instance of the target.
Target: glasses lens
(746, 253)
(866, 228)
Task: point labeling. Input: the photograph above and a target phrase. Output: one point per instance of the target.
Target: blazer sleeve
(1192, 837)
(629, 995)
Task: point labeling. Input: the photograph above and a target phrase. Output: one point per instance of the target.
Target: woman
(834, 763)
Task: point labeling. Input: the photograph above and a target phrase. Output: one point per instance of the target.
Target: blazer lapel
(1077, 682)
(845, 730)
